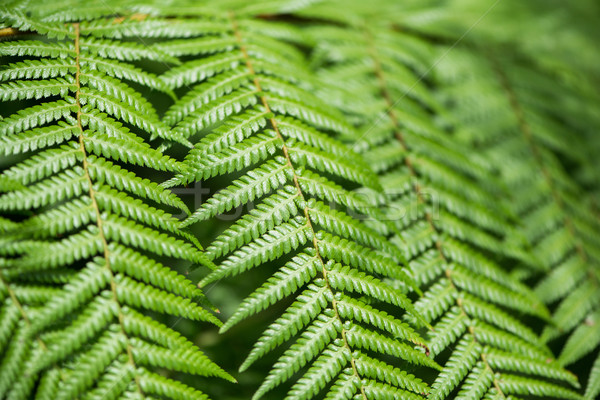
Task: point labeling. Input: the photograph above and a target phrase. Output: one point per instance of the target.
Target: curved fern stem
(8, 32)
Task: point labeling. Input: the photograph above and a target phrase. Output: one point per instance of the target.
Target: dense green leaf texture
(403, 199)
(247, 114)
(527, 143)
(86, 256)
(443, 202)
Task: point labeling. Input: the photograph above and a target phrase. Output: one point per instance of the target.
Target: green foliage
(84, 257)
(397, 200)
(532, 149)
(275, 137)
(447, 212)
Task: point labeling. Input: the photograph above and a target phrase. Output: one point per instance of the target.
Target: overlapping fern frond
(250, 111)
(86, 242)
(530, 142)
(445, 205)
(365, 240)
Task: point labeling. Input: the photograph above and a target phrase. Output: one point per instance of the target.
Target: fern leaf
(18, 19)
(582, 341)
(271, 212)
(249, 120)
(216, 110)
(36, 139)
(593, 386)
(89, 253)
(237, 157)
(152, 27)
(35, 48)
(114, 176)
(116, 89)
(45, 163)
(124, 51)
(352, 281)
(197, 46)
(541, 189)
(36, 116)
(348, 228)
(393, 188)
(524, 386)
(200, 70)
(24, 90)
(122, 70)
(446, 244)
(311, 343)
(378, 343)
(308, 305)
(256, 183)
(113, 107)
(327, 366)
(501, 360)
(207, 93)
(280, 240)
(297, 272)
(133, 153)
(63, 186)
(36, 69)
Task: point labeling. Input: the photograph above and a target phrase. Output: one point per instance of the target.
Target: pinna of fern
(85, 240)
(250, 111)
(450, 214)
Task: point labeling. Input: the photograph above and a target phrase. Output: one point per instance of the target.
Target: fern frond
(432, 187)
(89, 250)
(411, 199)
(593, 387)
(130, 152)
(123, 51)
(538, 131)
(271, 212)
(20, 20)
(126, 71)
(275, 136)
(36, 48)
(38, 115)
(200, 70)
(45, 163)
(120, 179)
